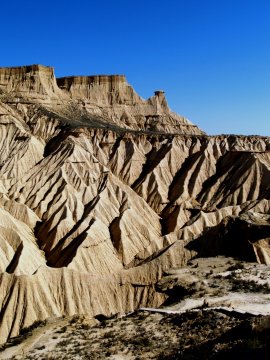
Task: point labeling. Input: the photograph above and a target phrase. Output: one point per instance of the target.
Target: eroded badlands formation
(102, 191)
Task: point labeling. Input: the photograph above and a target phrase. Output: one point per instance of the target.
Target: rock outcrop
(102, 191)
(32, 83)
(101, 100)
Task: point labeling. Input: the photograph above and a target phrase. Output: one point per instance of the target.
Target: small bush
(109, 334)
(61, 330)
(74, 319)
(236, 266)
(251, 286)
(63, 343)
(42, 347)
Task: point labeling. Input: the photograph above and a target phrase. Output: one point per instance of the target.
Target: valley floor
(142, 335)
(217, 308)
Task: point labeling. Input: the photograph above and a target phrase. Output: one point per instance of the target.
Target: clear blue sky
(212, 57)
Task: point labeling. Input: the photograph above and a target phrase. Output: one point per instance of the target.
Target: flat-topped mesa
(107, 97)
(30, 82)
(101, 90)
(110, 90)
(111, 97)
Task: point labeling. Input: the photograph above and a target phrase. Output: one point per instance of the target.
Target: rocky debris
(101, 192)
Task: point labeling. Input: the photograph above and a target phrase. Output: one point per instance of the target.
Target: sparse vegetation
(192, 335)
(24, 333)
(62, 330)
(236, 266)
(248, 286)
(142, 335)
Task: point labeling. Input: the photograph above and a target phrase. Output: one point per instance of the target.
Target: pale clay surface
(102, 191)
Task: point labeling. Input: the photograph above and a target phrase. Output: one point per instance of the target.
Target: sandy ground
(37, 338)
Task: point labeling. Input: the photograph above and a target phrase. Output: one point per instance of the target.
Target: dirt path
(39, 335)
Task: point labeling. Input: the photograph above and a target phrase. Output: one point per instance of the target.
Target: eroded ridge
(102, 191)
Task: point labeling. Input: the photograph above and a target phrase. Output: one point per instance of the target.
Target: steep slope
(102, 191)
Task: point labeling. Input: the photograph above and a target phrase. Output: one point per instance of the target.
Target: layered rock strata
(102, 100)
(94, 210)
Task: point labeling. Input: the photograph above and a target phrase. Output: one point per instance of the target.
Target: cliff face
(101, 90)
(35, 82)
(106, 101)
(93, 211)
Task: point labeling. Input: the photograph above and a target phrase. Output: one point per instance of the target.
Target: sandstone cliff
(101, 191)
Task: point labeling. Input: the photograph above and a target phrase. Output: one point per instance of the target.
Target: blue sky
(212, 57)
